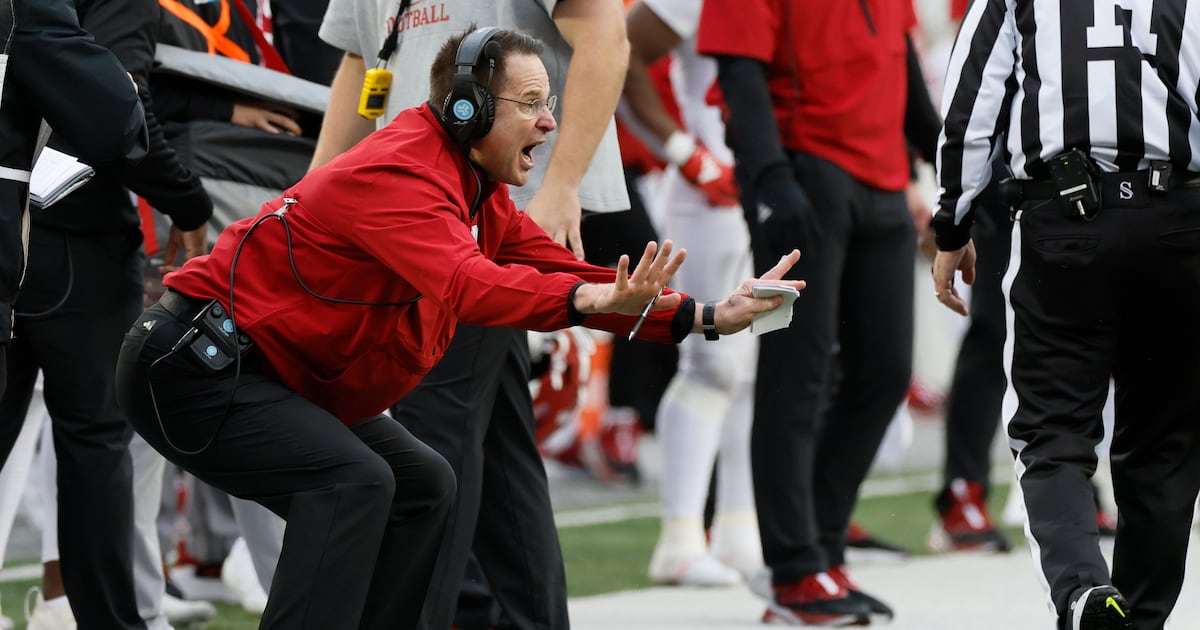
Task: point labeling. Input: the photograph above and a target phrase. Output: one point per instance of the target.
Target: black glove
(786, 218)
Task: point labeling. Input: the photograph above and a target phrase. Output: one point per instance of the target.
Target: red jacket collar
(470, 171)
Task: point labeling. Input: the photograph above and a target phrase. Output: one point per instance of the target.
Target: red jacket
(837, 72)
(386, 222)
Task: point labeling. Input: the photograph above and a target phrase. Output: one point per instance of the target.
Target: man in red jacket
(352, 283)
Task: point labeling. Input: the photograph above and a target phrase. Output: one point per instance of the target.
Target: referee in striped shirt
(1094, 103)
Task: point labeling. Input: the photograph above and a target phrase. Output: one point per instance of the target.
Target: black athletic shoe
(865, 546)
(815, 600)
(879, 611)
(1098, 608)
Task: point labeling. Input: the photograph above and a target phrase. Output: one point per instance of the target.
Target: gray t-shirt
(359, 27)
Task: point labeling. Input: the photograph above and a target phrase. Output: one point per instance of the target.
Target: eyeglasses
(533, 108)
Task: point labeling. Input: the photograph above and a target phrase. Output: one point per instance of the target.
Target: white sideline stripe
(21, 572)
(611, 514)
(871, 488)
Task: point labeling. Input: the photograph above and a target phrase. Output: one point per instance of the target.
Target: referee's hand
(944, 266)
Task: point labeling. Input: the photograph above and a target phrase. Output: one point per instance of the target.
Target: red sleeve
(635, 154)
(408, 232)
(743, 28)
(910, 17)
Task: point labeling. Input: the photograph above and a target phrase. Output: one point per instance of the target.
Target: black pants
(79, 295)
(1118, 296)
(977, 388)
(813, 439)
(475, 409)
(368, 495)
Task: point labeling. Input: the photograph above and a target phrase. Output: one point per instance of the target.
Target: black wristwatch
(708, 320)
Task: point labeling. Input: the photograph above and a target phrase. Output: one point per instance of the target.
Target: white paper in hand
(777, 318)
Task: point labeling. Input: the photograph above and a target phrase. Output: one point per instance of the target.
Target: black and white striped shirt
(1118, 79)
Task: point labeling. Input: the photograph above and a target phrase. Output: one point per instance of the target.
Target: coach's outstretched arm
(630, 292)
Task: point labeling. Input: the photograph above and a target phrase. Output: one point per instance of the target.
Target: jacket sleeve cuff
(950, 237)
(574, 317)
(684, 319)
(191, 213)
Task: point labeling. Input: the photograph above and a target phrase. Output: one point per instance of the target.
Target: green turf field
(613, 556)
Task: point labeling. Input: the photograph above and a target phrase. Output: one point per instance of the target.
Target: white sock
(689, 429)
(735, 481)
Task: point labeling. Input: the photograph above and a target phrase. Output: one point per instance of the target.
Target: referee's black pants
(365, 505)
(1117, 296)
(814, 436)
(474, 408)
(79, 295)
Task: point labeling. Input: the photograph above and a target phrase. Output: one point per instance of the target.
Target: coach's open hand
(630, 293)
(738, 310)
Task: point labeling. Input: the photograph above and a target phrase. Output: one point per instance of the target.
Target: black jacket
(55, 71)
(129, 28)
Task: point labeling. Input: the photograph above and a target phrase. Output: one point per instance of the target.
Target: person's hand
(191, 242)
(713, 177)
(268, 117)
(737, 311)
(629, 293)
(556, 210)
(785, 214)
(944, 266)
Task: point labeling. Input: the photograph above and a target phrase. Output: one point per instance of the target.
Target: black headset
(469, 110)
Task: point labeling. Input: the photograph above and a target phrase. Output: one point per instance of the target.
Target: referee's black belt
(1127, 189)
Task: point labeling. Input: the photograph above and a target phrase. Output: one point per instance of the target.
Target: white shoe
(702, 570)
(681, 556)
(183, 613)
(237, 572)
(735, 542)
(43, 617)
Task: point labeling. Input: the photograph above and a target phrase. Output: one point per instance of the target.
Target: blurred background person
(706, 410)
(82, 288)
(40, 40)
(821, 112)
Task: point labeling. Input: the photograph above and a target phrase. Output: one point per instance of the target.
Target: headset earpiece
(469, 109)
